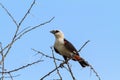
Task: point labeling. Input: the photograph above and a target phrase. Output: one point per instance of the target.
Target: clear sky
(80, 20)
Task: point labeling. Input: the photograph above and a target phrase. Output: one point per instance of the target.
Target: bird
(65, 48)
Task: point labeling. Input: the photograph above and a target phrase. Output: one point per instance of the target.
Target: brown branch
(12, 42)
(46, 55)
(20, 68)
(87, 62)
(95, 72)
(22, 31)
(11, 77)
(55, 69)
(32, 28)
(2, 63)
(18, 27)
(19, 35)
(1, 52)
(70, 71)
(9, 46)
(56, 63)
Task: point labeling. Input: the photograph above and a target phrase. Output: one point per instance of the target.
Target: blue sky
(94, 20)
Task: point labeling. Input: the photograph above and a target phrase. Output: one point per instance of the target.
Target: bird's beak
(53, 31)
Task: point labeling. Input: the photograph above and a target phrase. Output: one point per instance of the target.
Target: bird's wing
(70, 47)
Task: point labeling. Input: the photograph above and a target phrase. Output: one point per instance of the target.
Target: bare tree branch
(32, 28)
(18, 27)
(8, 47)
(70, 70)
(56, 64)
(17, 35)
(95, 72)
(20, 68)
(24, 31)
(2, 63)
(55, 69)
(47, 55)
(11, 77)
(9, 14)
(83, 46)
(27, 12)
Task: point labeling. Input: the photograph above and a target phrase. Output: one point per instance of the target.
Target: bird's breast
(59, 45)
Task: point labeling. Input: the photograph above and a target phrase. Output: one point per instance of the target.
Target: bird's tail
(83, 63)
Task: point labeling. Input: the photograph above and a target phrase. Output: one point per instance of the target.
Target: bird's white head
(58, 34)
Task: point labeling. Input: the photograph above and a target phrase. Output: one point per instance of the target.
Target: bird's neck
(60, 40)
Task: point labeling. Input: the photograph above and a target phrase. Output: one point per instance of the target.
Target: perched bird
(66, 49)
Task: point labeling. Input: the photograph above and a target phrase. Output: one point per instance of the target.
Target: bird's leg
(64, 62)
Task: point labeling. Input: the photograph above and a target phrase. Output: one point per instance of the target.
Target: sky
(80, 20)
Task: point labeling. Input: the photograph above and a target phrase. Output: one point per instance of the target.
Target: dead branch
(95, 72)
(9, 14)
(2, 63)
(70, 70)
(46, 55)
(18, 27)
(24, 31)
(88, 63)
(56, 64)
(83, 46)
(17, 35)
(32, 28)
(11, 77)
(20, 68)
(27, 12)
(60, 65)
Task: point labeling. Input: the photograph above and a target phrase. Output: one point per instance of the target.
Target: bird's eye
(56, 31)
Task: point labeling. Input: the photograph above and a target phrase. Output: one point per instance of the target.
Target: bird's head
(58, 34)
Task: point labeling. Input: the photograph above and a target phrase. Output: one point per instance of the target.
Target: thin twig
(23, 33)
(46, 55)
(9, 14)
(56, 63)
(1, 53)
(18, 27)
(55, 69)
(31, 6)
(87, 62)
(2, 62)
(95, 72)
(83, 46)
(20, 68)
(12, 42)
(71, 72)
(32, 28)
(11, 77)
